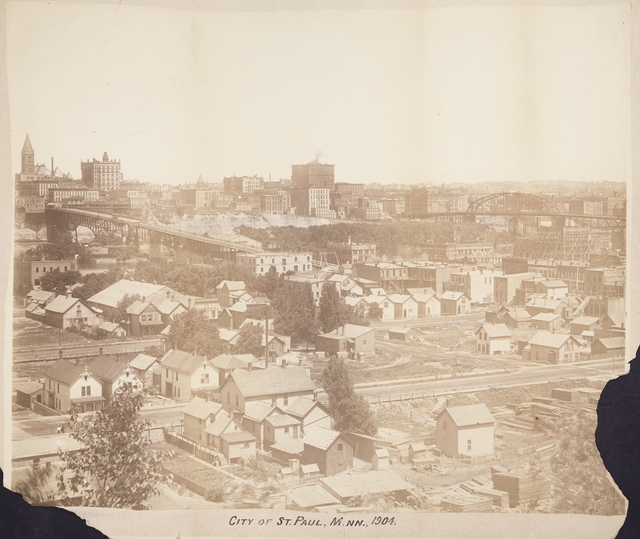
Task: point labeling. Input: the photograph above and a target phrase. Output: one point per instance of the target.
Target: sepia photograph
(278, 267)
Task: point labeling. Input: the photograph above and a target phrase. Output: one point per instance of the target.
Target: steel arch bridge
(64, 219)
(513, 203)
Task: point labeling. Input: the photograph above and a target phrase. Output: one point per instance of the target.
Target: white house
(493, 338)
(465, 430)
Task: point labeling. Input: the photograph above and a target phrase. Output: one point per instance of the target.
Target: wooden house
(546, 321)
(309, 412)
(69, 384)
(493, 338)
(453, 303)
(465, 430)
(608, 347)
(329, 449)
(182, 372)
(144, 319)
(278, 386)
(350, 338)
(66, 312)
(197, 416)
(545, 347)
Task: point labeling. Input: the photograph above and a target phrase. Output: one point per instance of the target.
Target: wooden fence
(200, 451)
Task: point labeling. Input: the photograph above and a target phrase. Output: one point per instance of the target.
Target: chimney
(249, 366)
(189, 306)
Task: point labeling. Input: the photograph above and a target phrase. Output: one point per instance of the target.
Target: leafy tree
(250, 340)
(294, 311)
(57, 281)
(330, 316)
(192, 332)
(374, 312)
(121, 307)
(271, 282)
(579, 477)
(349, 411)
(63, 247)
(114, 469)
(39, 485)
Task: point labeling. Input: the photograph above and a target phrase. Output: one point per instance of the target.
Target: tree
(349, 411)
(294, 311)
(271, 282)
(39, 485)
(374, 312)
(250, 340)
(121, 307)
(57, 281)
(330, 316)
(114, 469)
(192, 332)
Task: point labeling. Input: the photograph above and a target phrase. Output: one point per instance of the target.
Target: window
(84, 391)
(204, 378)
(273, 401)
(143, 318)
(58, 388)
(44, 270)
(176, 376)
(236, 400)
(37, 270)
(88, 391)
(228, 397)
(286, 400)
(339, 447)
(468, 445)
(444, 424)
(166, 373)
(286, 430)
(246, 445)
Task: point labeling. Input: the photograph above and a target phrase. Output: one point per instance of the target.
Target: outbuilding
(465, 430)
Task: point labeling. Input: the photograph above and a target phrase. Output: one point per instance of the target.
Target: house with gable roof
(144, 319)
(66, 312)
(198, 415)
(404, 306)
(310, 413)
(147, 368)
(350, 338)
(254, 417)
(428, 304)
(278, 386)
(493, 338)
(169, 309)
(225, 364)
(183, 372)
(279, 426)
(329, 449)
(546, 321)
(67, 384)
(452, 303)
(228, 292)
(465, 430)
(229, 437)
(545, 347)
(114, 374)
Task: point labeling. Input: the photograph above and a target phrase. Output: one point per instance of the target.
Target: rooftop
(61, 304)
(142, 362)
(64, 371)
(361, 484)
(259, 410)
(182, 361)
(545, 317)
(495, 330)
(585, 320)
(552, 340)
(107, 368)
(272, 381)
(302, 406)
(202, 409)
(111, 295)
(612, 342)
(320, 437)
(349, 331)
(311, 496)
(281, 420)
(472, 414)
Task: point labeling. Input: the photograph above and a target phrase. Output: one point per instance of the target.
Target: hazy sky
(441, 94)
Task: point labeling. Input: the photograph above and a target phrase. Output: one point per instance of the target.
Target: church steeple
(28, 157)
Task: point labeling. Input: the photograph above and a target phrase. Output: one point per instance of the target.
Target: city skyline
(504, 94)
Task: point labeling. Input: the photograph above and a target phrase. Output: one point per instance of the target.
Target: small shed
(417, 452)
(583, 323)
(309, 470)
(111, 330)
(403, 334)
(147, 368)
(29, 392)
(380, 459)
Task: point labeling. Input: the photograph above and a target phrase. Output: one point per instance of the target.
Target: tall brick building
(313, 174)
(102, 175)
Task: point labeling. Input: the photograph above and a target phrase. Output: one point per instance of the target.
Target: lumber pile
(498, 497)
(522, 487)
(567, 395)
(463, 502)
